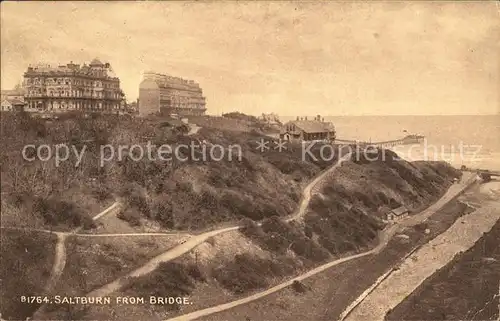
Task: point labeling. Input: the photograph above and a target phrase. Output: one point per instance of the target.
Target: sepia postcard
(250, 160)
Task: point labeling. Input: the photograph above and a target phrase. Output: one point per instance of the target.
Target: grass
(94, 261)
(177, 278)
(228, 279)
(334, 289)
(26, 263)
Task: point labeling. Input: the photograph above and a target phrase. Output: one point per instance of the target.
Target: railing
(409, 140)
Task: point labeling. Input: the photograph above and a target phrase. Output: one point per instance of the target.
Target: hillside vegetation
(26, 263)
(343, 217)
(177, 194)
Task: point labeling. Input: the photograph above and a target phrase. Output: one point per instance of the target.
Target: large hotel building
(170, 95)
(87, 88)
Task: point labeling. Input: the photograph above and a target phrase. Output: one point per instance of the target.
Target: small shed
(397, 213)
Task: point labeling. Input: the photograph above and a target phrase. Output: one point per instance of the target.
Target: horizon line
(365, 115)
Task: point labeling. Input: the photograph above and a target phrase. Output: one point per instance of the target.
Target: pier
(407, 140)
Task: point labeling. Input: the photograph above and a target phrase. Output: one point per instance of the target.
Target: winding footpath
(201, 238)
(384, 238)
(60, 254)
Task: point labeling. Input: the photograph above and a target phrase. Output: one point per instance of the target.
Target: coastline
(427, 260)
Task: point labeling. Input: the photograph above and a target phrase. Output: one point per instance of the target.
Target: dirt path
(60, 254)
(201, 238)
(423, 263)
(112, 209)
(134, 234)
(96, 235)
(384, 238)
(59, 263)
(309, 190)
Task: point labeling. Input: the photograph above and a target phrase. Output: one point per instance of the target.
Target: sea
(473, 141)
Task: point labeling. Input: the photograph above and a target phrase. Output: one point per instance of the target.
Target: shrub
(169, 279)
(162, 213)
(54, 212)
(244, 273)
(130, 216)
(101, 193)
(299, 287)
(195, 272)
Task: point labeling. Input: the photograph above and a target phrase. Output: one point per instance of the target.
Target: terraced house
(71, 87)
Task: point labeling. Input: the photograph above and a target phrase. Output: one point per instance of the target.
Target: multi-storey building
(71, 87)
(170, 95)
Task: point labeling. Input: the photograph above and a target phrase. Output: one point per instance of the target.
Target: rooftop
(400, 210)
(16, 102)
(313, 126)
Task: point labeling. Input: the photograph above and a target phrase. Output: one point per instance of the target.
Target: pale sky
(292, 58)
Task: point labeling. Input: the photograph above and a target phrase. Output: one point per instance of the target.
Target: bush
(101, 193)
(130, 216)
(54, 212)
(170, 279)
(162, 213)
(195, 272)
(244, 274)
(299, 287)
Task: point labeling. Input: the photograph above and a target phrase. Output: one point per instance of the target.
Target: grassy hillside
(26, 262)
(344, 218)
(325, 295)
(184, 193)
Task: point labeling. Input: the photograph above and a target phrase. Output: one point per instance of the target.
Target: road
(452, 192)
(432, 256)
(384, 238)
(201, 238)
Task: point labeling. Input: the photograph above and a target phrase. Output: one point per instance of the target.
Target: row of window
(70, 81)
(76, 94)
(77, 105)
(182, 98)
(174, 105)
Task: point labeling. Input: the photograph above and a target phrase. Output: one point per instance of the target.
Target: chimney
(306, 118)
(323, 119)
(298, 118)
